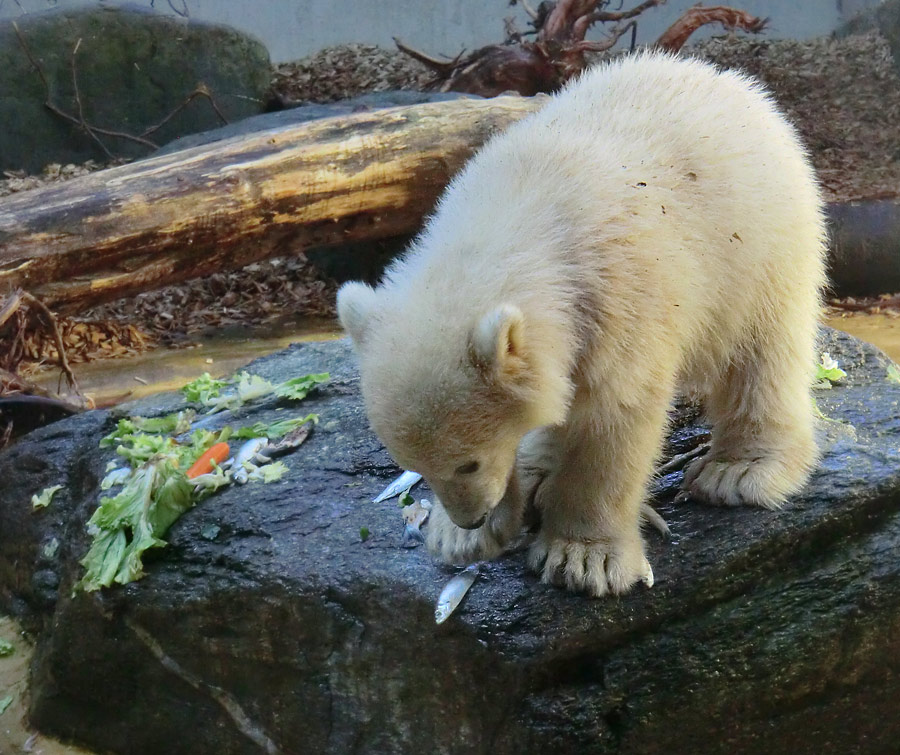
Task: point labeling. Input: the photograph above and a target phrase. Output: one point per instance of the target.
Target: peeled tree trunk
(221, 206)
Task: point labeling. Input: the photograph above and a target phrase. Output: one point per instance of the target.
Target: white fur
(656, 225)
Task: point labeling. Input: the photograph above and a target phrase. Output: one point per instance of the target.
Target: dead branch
(10, 306)
(50, 319)
(10, 383)
(441, 66)
(200, 91)
(558, 50)
(532, 13)
(606, 44)
(56, 110)
(222, 206)
(581, 26)
(675, 37)
(84, 124)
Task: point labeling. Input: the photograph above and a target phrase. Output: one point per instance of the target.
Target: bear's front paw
(454, 545)
(597, 568)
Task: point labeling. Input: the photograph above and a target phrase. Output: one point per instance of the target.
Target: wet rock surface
(268, 625)
(134, 68)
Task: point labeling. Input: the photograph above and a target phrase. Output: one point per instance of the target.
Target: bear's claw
(593, 568)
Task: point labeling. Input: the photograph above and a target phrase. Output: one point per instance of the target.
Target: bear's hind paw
(594, 568)
(762, 480)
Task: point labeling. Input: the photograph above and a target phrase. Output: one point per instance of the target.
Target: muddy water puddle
(114, 380)
(880, 330)
(109, 381)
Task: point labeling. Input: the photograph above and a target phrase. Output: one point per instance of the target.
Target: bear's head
(450, 396)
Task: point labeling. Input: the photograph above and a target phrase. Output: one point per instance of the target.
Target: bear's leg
(590, 538)
(763, 445)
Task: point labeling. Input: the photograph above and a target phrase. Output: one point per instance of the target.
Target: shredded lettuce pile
(155, 490)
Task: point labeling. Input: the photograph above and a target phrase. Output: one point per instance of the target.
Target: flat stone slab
(774, 632)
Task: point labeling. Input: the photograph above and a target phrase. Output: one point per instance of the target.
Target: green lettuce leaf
(275, 430)
(828, 372)
(125, 526)
(268, 472)
(42, 500)
(297, 388)
(175, 423)
(203, 389)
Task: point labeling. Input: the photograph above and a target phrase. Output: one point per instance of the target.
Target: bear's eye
(468, 468)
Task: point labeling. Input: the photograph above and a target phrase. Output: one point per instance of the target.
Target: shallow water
(881, 330)
(113, 380)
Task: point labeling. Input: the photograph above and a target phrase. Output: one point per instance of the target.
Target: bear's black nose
(474, 525)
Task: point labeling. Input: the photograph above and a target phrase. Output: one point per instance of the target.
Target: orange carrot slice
(217, 453)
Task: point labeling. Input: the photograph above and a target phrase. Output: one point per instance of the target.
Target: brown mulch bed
(843, 95)
(338, 73)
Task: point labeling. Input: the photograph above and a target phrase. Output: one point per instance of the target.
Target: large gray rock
(134, 68)
(774, 632)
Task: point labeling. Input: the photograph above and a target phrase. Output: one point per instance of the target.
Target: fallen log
(187, 214)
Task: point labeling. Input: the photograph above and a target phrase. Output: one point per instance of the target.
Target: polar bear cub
(655, 227)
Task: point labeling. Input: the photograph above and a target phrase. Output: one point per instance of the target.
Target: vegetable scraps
(42, 500)
(827, 372)
(893, 373)
(164, 478)
(209, 460)
(246, 388)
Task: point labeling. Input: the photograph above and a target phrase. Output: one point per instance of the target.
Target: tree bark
(221, 206)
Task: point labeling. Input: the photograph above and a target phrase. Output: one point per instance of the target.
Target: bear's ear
(355, 304)
(497, 344)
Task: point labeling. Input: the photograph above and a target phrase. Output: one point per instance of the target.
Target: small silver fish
(249, 453)
(454, 592)
(403, 482)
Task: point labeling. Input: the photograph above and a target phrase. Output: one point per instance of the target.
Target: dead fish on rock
(290, 442)
(454, 592)
(258, 452)
(414, 516)
(249, 456)
(402, 483)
